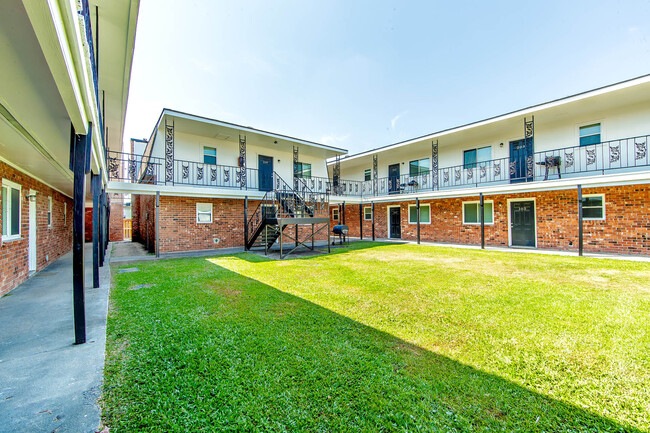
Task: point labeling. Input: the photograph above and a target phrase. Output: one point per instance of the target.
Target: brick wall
(179, 230)
(116, 219)
(626, 229)
(143, 216)
(52, 242)
(88, 218)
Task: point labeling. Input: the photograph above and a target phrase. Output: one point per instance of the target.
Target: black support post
(246, 223)
(482, 222)
(372, 209)
(95, 182)
(580, 233)
(343, 219)
(102, 235)
(80, 165)
(360, 221)
(157, 224)
(107, 218)
(417, 207)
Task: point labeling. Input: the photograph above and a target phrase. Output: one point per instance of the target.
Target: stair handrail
(294, 201)
(256, 219)
(315, 201)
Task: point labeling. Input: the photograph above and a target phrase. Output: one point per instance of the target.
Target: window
(49, 211)
(471, 212)
(10, 210)
(418, 167)
(367, 175)
(367, 213)
(590, 134)
(65, 213)
(303, 170)
(425, 214)
(204, 212)
(593, 207)
(474, 157)
(335, 214)
(210, 155)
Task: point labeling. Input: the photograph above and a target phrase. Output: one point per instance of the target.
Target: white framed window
(589, 134)
(49, 211)
(303, 170)
(425, 214)
(210, 155)
(335, 214)
(367, 175)
(472, 209)
(11, 201)
(203, 213)
(479, 156)
(593, 207)
(420, 166)
(367, 213)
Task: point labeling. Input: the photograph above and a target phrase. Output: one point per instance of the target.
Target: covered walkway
(46, 382)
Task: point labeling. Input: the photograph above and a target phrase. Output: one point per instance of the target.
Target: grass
(380, 338)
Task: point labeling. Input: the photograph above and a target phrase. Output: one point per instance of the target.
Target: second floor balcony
(620, 156)
(627, 155)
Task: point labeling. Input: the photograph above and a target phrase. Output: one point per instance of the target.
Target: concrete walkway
(47, 384)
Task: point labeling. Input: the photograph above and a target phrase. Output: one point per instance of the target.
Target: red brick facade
(88, 221)
(625, 230)
(51, 241)
(143, 217)
(116, 219)
(179, 230)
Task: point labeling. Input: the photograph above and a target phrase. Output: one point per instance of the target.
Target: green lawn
(379, 337)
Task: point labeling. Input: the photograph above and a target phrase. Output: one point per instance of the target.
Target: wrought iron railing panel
(627, 154)
(125, 167)
(214, 175)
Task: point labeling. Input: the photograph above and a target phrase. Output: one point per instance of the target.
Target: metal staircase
(284, 206)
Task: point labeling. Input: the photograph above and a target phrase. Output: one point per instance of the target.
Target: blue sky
(362, 74)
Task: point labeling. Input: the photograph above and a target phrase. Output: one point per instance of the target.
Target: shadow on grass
(207, 346)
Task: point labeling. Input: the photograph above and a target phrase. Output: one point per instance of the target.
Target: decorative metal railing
(125, 167)
(622, 155)
(315, 184)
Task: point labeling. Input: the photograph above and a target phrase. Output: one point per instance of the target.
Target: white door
(32, 231)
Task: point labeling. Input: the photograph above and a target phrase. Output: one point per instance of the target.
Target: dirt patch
(229, 292)
(404, 347)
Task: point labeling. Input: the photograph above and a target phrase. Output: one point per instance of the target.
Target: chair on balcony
(551, 161)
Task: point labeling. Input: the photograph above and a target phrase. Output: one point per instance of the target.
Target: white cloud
(394, 120)
(334, 140)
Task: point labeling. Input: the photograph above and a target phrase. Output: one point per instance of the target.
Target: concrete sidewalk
(48, 384)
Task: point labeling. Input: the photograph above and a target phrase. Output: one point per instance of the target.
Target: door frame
(32, 242)
(510, 200)
(388, 220)
(259, 172)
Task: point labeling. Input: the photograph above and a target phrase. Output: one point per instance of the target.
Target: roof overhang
(636, 90)
(207, 127)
